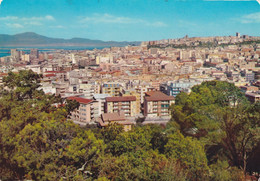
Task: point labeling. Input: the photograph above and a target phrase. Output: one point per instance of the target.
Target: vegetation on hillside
(213, 135)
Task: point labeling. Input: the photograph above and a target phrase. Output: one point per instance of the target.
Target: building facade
(84, 113)
(115, 118)
(156, 104)
(113, 89)
(126, 104)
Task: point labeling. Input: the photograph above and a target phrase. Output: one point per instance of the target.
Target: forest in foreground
(214, 134)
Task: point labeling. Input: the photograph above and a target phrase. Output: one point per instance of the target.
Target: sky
(130, 20)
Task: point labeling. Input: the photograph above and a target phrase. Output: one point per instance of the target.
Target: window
(165, 105)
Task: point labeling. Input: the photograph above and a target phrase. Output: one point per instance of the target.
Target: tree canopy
(213, 133)
(219, 115)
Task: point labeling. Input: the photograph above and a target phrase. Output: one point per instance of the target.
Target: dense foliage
(219, 115)
(211, 133)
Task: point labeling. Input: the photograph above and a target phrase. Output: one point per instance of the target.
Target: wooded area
(214, 134)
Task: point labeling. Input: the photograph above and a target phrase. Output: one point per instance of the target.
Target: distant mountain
(30, 39)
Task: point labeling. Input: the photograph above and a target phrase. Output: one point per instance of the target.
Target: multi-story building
(101, 99)
(174, 88)
(250, 76)
(89, 90)
(60, 75)
(84, 113)
(61, 87)
(253, 97)
(156, 104)
(34, 53)
(133, 92)
(113, 89)
(141, 89)
(2, 75)
(15, 54)
(125, 104)
(249, 89)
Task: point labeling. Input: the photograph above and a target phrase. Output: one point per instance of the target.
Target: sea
(7, 51)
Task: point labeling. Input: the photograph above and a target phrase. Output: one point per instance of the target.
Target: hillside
(32, 39)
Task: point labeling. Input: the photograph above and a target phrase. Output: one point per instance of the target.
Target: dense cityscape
(140, 81)
(103, 90)
(135, 87)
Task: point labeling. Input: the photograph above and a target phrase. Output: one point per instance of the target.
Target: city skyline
(130, 20)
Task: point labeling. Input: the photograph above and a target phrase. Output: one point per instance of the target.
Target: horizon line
(129, 40)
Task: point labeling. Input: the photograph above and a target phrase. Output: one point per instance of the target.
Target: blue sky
(130, 19)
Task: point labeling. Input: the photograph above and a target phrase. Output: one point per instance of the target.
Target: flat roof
(121, 99)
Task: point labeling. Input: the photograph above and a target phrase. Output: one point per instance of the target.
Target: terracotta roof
(54, 72)
(112, 117)
(80, 100)
(98, 69)
(120, 99)
(115, 117)
(157, 96)
(19, 65)
(49, 75)
(3, 74)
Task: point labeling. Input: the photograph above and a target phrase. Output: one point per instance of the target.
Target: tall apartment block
(15, 54)
(86, 111)
(34, 53)
(126, 104)
(113, 89)
(156, 104)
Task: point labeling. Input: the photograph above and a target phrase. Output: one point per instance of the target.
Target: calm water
(7, 51)
(4, 53)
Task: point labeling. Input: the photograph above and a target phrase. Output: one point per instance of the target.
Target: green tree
(221, 171)
(141, 165)
(36, 140)
(131, 141)
(189, 153)
(22, 85)
(111, 132)
(71, 105)
(218, 114)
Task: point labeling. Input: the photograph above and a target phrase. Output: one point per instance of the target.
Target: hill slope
(32, 39)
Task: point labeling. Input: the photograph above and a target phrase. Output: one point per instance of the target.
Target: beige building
(156, 104)
(252, 97)
(85, 111)
(113, 89)
(126, 104)
(133, 92)
(115, 118)
(89, 90)
(2, 75)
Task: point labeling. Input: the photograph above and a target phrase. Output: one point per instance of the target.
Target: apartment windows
(165, 105)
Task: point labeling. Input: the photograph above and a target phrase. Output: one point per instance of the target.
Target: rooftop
(157, 96)
(120, 99)
(115, 117)
(80, 100)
